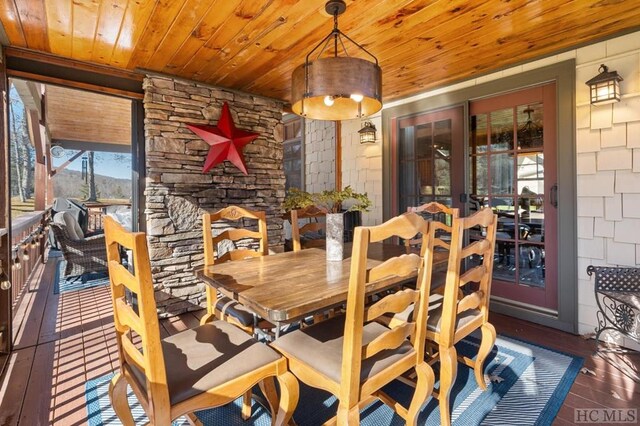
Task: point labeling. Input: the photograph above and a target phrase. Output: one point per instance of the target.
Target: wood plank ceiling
(81, 116)
(254, 45)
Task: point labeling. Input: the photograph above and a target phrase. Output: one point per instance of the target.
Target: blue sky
(105, 163)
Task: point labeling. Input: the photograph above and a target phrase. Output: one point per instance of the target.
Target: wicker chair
(83, 255)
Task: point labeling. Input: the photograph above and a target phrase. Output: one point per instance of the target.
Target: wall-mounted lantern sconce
(367, 133)
(605, 87)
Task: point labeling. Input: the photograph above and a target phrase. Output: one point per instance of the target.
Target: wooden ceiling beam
(51, 59)
(29, 93)
(74, 84)
(64, 165)
(33, 124)
(92, 146)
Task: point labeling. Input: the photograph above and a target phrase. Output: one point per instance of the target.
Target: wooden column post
(6, 337)
(41, 177)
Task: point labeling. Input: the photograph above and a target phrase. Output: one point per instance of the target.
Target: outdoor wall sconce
(336, 87)
(367, 133)
(605, 87)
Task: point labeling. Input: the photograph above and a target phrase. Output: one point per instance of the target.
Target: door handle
(553, 195)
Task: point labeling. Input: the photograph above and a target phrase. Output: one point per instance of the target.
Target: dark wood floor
(64, 340)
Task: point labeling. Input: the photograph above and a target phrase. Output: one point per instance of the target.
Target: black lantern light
(605, 87)
(367, 133)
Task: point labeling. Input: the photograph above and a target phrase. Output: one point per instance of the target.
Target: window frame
(289, 120)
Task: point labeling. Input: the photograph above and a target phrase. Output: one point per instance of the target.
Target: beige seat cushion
(207, 356)
(320, 346)
(407, 315)
(435, 315)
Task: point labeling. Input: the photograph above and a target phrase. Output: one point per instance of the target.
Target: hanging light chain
(30, 241)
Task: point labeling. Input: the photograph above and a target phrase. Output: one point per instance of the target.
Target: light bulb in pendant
(329, 100)
(357, 97)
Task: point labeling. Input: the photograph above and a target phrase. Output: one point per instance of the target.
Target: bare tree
(22, 152)
(17, 160)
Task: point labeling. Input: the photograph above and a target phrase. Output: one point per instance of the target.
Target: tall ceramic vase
(335, 236)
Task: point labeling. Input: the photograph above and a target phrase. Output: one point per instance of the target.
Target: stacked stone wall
(178, 193)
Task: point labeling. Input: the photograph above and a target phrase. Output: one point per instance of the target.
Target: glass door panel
(428, 146)
(512, 178)
(501, 125)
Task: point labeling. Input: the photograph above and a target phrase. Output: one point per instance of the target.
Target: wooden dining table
(287, 287)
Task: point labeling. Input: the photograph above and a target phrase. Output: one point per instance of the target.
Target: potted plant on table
(331, 202)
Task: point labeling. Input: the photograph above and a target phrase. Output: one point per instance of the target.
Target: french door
(429, 150)
(512, 170)
(508, 164)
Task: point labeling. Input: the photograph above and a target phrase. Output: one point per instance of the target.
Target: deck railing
(28, 240)
(96, 211)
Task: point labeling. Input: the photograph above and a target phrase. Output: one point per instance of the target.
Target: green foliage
(329, 201)
(297, 199)
(84, 190)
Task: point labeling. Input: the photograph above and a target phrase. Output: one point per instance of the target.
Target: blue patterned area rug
(64, 284)
(530, 384)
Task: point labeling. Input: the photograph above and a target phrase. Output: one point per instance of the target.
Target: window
(293, 153)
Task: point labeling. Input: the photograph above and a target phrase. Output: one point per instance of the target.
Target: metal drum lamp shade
(336, 87)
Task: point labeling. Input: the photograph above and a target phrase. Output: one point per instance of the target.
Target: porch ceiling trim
(92, 146)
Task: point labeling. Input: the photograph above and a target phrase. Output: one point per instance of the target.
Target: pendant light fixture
(336, 87)
(530, 135)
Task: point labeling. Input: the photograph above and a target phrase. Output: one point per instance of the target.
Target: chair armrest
(99, 237)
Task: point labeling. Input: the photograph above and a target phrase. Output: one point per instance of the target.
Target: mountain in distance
(69, 184)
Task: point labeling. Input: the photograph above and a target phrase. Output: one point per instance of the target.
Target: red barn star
(225, 140)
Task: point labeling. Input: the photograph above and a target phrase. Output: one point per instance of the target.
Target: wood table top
(285, 287)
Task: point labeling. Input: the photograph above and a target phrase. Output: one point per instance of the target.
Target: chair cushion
(207, 356)
(435, 315)
(320, 347)
(71, 225)
(235, 310)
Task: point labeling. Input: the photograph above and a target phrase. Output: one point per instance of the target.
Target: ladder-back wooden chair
(315, 225)
(353, 356)
(224, 307)
(434, 212)
(442, 217)
(452, 317)
(219, 305)
(208, 366)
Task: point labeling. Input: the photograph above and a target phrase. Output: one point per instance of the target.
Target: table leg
(277, 329)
